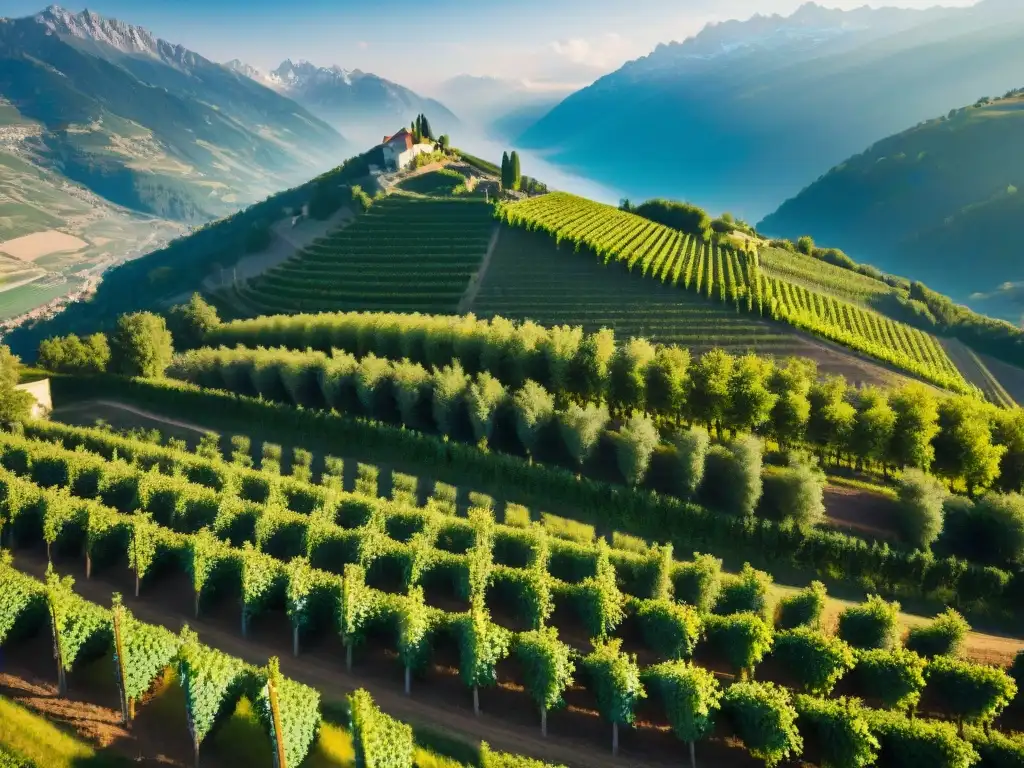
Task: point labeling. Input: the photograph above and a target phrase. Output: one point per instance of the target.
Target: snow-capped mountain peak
(90, 27)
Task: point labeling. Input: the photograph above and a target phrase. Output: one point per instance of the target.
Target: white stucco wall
(40, 390)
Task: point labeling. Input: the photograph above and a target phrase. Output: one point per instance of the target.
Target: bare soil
(39, 244)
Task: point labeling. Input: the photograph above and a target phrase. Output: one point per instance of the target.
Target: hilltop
(939, 202)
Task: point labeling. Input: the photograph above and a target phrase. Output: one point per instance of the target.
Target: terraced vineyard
(405, 254)
(528, 278)
(734, 278)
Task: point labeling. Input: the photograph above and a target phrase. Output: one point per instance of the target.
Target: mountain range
(362, 105)
(940, 202)
(149, 125)
(743, 115)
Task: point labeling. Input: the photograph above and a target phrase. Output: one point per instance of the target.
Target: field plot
(1009, 377)
(979, 373)
(19, 300)
(439, 183)
(39, 244)
(733, 277)
(528, 278)
(406, 254)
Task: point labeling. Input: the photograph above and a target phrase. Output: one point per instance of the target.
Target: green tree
(548, 669)
(482, 644)
(141, 345)
(506, 176)
(1008, 431)
(534, 409)
(634, 445)
(425, 129)
(920, 508)
(588, 370)
(803, 609)
(627, 375)
(893, 678)
(581, 428)
(917, 423)
(710, 381)
(873, 426)
(974, 693)
(832, 417)
(15, 404)
(732, 476)
(690, 696)
(70, 354)
(189, 323)
(742, 640)
(792, 409)
(667, 380)
(691, 451)
(615, 680)
(515, 173)
(763, 716)
(750, 399)
(805, 245)
(963, 445)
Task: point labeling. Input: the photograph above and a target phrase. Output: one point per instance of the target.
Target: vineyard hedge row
(909, 426)
(873, 566)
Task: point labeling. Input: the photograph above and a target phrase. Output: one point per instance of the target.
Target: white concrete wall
(40, 390)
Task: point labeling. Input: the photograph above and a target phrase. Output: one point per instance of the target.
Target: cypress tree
(514, 171)
(505, 181)
(425, 128)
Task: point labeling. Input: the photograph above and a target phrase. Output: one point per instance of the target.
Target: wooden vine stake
(127, 705)
(277, 733)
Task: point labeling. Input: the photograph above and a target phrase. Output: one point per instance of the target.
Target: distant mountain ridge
(940, 202)
(151, 125)
(744, 114)
(360, 104)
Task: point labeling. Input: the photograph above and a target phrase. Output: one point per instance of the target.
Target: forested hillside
(939, 202)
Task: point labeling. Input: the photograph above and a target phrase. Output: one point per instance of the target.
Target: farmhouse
(400, 149)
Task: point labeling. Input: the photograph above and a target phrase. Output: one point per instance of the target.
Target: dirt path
(148, 415)
(973, 369)
(571, 738)
(477, 281)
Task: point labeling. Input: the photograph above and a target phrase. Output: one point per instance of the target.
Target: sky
(557, 44)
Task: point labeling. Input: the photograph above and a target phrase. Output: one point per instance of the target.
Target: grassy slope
(35, 738)
(936, 202)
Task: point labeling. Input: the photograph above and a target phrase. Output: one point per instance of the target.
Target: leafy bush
(669, 628)
(837, 731)
(804, 609)
(893, 678)
(747, 592)
(974, 693)
(812, 659)
(763, 716)
(634, 445)
(919, 513)
(794, 493)
(872, 624)
(742, 639)
(918, 743)
(732, 477)
(942, 637)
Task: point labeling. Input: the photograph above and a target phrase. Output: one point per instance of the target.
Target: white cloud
(363, 45)
(609, 50)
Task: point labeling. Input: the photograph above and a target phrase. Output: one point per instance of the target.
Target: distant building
(400, 149)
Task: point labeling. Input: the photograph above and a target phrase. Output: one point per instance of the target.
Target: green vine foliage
(211, 681)
(380, 741)
(614, 678)
(548, 667)
(299, 706)
(482, 644)
(919, 743)
(975, 693)
(206, 557)
(602, 604)
(944, 636)
(895, 679)
(836, 731)
(357, 604)
(263, 580)
(763, 716)
(690, 696)
(669, 628)
(148, 650)
(312, 597)
(812, 659)
(742, 639)
(413, 622)
(870, 625)
(489, 758)
(20, 598)
(804, 609)
(76, 621)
